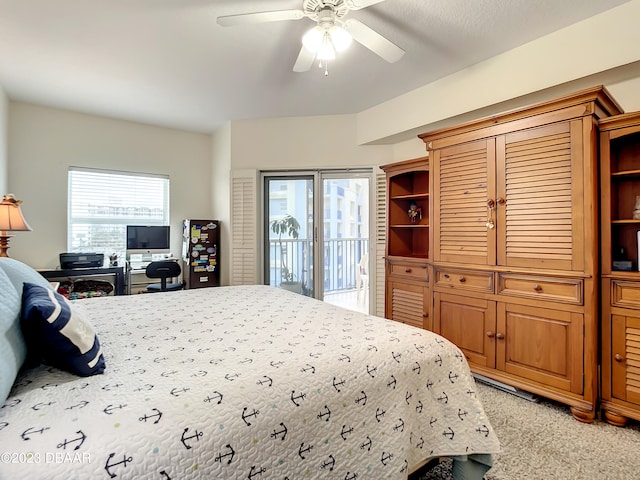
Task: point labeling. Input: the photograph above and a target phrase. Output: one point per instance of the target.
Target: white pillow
(13, 348)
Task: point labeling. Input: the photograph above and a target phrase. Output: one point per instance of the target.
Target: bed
(246, 382)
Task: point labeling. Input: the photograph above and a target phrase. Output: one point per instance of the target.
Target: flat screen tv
(148, 239)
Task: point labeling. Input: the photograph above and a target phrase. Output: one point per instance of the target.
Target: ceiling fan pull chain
(326, 67)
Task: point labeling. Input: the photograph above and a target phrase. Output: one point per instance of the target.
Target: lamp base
(4, 244)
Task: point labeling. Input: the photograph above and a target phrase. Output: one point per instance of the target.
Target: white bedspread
(247, 382)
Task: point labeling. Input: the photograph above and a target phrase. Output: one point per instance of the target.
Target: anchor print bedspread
(247, 382)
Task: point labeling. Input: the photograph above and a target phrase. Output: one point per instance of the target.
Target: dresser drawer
(464, 279)
(625, 294)
(410, 270)
(566, 290)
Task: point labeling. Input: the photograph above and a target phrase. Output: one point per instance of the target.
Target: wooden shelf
(408, 185)
(409, 225)
(625, 173)
(625, 221)
(414, 196)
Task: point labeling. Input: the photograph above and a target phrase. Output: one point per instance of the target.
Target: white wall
(44, 142)
(221, 195)
(4, 147)
(298, 143)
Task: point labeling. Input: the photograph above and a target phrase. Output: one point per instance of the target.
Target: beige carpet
(542, 441)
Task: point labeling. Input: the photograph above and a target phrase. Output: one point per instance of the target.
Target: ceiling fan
(331, 33)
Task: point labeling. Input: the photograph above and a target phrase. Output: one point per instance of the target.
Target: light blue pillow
(13, 348)
(57, 332)
(19, 273)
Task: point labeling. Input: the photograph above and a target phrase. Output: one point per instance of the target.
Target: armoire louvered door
(539, 223)
(465, 184)
(508, 200)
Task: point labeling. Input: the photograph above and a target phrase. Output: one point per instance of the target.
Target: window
(102, 203)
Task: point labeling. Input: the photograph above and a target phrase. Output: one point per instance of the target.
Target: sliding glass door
(289, 229)
(345, 240)
(316, 233)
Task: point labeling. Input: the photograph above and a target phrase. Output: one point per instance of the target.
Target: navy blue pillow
(57, 333)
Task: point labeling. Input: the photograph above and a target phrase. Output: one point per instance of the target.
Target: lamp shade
(11, 218)
(340, 38)
(312, 40)
(316, 39)
(326, 51)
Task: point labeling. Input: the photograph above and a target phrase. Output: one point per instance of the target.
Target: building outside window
(101, 203)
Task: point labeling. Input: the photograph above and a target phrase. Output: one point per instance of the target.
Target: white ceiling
(167, 62)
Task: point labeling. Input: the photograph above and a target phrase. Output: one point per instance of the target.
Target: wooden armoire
(620, 202)
(513, 253)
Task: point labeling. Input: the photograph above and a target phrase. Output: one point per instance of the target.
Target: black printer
(81, 260)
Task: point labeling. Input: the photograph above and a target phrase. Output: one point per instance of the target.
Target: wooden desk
(116, 272)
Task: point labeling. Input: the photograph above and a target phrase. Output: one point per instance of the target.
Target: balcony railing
(340, 262)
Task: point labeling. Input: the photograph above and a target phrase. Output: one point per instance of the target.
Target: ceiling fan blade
(360, 4)
(304, 61)
(259, 17)
(373, 41)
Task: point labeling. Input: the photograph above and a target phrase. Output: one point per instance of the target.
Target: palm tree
(286, 225)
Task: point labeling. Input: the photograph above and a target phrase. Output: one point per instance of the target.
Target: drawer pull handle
(619, 358)
(446, 275)
(462, 279)
(407, 270)
(491, 334)
(537, 288)
(499, 336)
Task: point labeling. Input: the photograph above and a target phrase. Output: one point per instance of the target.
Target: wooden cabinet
(620, 186)
(541, 344)
(408, 296)
(408, 292)
(513, 199)
(511, 342)
(470, 323)
(514, 223)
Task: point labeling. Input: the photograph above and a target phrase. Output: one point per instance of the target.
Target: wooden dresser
(511, 273)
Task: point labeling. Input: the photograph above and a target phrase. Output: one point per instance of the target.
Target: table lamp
(11, 220)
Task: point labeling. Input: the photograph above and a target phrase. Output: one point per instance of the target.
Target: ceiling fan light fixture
(312, 40)
(340, 38)
(327, 50)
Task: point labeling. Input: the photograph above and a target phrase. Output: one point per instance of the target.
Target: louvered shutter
(408, 303)
(244, 243)
(464, 180)
(626, 375)
(540, 225)
(380, 242)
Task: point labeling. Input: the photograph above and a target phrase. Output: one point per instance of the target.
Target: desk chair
(163, 270)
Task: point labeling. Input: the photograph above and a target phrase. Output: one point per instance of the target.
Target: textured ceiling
(167, 62)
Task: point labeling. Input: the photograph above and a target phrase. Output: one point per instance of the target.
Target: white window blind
(102, 203)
